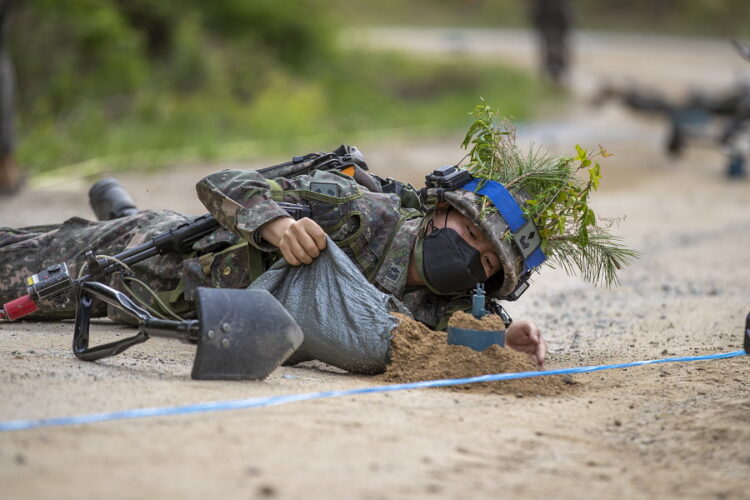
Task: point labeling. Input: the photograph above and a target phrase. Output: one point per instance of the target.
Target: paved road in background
(667, 62)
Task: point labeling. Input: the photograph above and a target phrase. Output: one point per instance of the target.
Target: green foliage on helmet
(552, 193)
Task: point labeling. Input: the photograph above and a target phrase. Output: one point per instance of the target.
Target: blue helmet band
(525, 234)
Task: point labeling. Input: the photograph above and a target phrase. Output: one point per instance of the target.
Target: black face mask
(450, 264)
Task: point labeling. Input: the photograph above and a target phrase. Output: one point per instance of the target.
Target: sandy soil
(665, 431)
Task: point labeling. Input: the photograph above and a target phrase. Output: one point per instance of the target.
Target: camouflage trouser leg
(22, 252)
(26, 251)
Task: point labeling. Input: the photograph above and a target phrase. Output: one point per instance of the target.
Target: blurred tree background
(136, 83)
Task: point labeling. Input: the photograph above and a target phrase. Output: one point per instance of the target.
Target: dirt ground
(664, 431)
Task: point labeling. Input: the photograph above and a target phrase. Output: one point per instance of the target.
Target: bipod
(241, 334)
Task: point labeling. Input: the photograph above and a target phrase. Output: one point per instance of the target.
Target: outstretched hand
(300, 241)
(524, 336)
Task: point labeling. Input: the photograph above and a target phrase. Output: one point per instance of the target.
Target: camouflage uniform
(26, 251)
(372, 227)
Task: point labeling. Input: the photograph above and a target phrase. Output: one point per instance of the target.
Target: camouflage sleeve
(241, 202)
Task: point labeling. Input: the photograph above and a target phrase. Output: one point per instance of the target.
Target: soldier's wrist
(272, 231)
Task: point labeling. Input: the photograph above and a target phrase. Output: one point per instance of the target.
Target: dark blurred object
(11, 177)
(109, 200)
(690, 119)
(736, 165)
(153, 22)
(552, 20)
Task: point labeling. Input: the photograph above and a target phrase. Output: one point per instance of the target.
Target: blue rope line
(17, 425)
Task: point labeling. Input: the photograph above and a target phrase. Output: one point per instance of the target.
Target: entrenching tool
(241, 334)
(479, 340)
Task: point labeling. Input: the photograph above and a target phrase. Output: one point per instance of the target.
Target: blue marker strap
(17, 425)
(502, 199)
(509, 209)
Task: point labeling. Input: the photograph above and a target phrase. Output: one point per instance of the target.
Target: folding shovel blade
(244, 334)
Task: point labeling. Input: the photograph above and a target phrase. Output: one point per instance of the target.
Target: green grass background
(106, 84)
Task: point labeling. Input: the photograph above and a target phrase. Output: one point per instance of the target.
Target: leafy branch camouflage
(557, 200)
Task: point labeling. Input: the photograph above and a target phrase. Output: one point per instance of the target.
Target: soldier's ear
(441, 207)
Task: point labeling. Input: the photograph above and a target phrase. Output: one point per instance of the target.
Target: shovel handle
(81, 347)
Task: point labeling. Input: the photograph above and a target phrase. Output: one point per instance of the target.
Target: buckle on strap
(527, 239)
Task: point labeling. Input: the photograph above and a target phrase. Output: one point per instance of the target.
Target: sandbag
(345, 319)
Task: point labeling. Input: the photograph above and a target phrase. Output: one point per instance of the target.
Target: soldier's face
(472, 235)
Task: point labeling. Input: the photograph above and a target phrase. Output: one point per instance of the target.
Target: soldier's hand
(524, 336)
(300, 241)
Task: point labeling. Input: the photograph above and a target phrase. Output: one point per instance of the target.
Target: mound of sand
(461, 319)
(418, 353)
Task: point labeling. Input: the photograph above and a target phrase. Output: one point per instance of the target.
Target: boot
(109, 200)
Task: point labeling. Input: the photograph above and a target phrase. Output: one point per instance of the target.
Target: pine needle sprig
(597, 262)
(557, 196)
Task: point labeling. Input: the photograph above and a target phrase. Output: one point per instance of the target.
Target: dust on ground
(659, 431)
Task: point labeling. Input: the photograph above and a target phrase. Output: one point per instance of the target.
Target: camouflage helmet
(506, 242)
